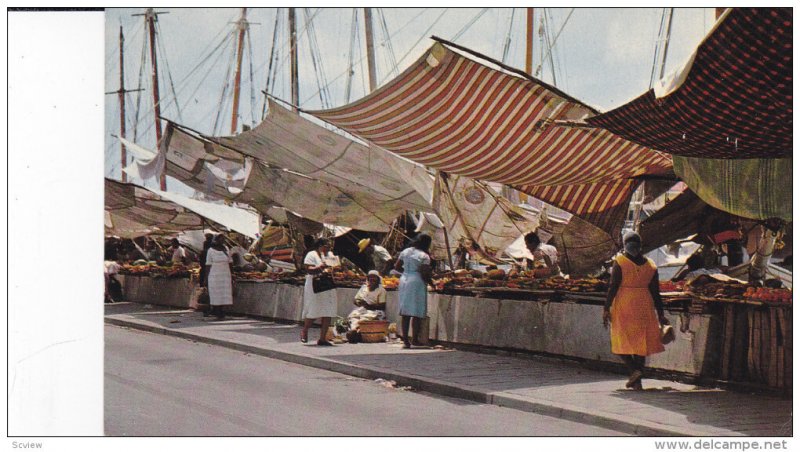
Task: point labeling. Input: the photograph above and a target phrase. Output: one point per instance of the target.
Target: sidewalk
(543, 386)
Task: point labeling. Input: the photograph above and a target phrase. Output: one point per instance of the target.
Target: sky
(603, 56)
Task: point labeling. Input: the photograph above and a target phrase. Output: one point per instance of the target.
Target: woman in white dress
(317, 305)
(220, 282)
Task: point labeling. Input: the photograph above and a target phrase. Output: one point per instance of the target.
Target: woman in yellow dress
(634, 309)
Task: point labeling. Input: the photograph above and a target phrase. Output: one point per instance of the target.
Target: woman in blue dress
(415, 264)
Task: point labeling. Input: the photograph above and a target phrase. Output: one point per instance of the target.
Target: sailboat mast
(666, 43)
(370, 49)
(293, 57)
(242, 24)
(150, 17)
(529, 43)
(123, 151)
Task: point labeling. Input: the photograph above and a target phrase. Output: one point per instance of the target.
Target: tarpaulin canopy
(473, 118)
(751, 188)
(146, 163)
(733, 99)
(470, 209)
(134, 211)
(287, 140)
(267, 186)
(238, 219)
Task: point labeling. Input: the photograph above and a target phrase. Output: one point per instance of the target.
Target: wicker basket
(373, 326)
(373, 337)
(373, 330)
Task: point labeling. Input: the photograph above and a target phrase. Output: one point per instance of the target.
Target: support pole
(529, 43)
(666, 43)
(150, 17)
(441, 180)
(293, 57)
(370, 49)
(123, 151)
(242, 24)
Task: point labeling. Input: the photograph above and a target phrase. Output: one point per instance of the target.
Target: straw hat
(363, 244)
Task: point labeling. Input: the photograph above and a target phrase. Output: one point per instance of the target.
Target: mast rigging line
(361, 60)
(550, 49)
(353, 32)
(182, 83)
(316, 60)
(272, 57)
(508, 35)
(139, 87)
(223, 96)
(555, 59)
(199, 85)
(388, 41)
(252, 83)
(469, 24)
(169, 72)
(424, 34)
(547, 20)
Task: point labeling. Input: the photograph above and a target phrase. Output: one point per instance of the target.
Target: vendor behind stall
(178, 252)
(379, 257)
(694, 268)
(370, 301)
(543, 254)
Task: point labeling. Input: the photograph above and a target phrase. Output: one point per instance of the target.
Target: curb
(622, 424)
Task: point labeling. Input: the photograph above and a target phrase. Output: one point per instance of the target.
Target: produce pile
(515, 280)
(143, 268)
(708, 288)
(347, 278)
(254, 275)
(670, 286)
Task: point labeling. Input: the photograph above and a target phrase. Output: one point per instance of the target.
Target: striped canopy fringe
(736, 100)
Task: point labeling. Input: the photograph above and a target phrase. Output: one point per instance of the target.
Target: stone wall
(567, 329)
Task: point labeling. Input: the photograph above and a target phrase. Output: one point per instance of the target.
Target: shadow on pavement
(721, 409)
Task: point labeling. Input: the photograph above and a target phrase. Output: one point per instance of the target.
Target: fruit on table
(766, 294)
(390, 282)
(496, 275)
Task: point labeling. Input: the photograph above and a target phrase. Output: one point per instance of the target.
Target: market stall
(725, 331)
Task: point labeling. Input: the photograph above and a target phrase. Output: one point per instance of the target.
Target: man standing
(379, 256)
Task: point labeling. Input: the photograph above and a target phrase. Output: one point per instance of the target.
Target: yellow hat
(363, 244)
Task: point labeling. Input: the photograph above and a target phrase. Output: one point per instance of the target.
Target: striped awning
(474, 118)
(732, 100)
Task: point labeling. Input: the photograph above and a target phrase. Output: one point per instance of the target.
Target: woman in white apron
(317, 305)
(220, 282)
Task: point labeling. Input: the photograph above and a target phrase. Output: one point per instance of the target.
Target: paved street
(158, 385)
(532, 384)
